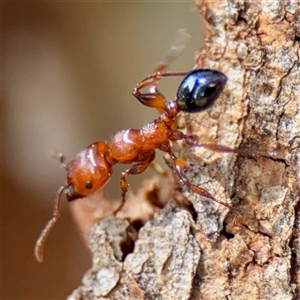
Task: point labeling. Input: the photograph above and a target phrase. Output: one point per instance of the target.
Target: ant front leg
(134, 170)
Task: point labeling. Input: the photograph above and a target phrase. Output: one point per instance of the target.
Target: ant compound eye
(88, 185)
(199, 90)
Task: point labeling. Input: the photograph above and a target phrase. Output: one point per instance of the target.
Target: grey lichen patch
(277, 279)
(106, 238)
(166, 256)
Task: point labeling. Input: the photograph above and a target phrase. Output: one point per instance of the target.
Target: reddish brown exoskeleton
(91, 169)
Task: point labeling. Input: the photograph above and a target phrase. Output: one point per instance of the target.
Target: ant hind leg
(175, 51)
(154, 98)
(193, 140)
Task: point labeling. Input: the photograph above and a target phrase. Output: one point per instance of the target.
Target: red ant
(91, 169)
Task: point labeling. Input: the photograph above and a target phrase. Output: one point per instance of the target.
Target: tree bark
(210, 252)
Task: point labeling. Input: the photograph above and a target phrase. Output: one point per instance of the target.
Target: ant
(91, 168)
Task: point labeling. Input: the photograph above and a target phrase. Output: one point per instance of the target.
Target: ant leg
(193, 140)
(134, 170)
(176, 49)
(180, 167)
(155, 98)
(40, 243)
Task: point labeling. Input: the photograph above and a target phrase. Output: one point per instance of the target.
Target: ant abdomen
(199, 89)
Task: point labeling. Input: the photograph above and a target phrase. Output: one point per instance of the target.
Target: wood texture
(209, 252)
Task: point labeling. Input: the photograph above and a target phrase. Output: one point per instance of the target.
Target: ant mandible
(91, 168)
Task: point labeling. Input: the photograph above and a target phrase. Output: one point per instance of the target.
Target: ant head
(199, 90)
(88, 171)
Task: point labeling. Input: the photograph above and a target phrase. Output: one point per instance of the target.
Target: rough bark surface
(210, 252)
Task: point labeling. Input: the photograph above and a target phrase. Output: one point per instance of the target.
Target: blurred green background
(67, 74)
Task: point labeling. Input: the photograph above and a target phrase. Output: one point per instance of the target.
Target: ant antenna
(39, 246)
(60, 156)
